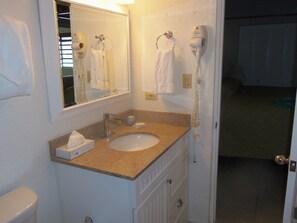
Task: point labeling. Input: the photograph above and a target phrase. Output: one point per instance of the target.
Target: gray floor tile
(269, 210)
(233, 214)
(250, 190)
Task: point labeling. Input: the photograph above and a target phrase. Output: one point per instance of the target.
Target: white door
(290, 201)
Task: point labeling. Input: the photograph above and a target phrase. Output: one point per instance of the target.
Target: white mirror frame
(48, 22)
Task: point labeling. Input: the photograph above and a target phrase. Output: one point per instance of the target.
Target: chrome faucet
(108, 119)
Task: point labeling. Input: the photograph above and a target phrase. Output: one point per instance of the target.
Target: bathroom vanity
(141, 186)
(158, 195)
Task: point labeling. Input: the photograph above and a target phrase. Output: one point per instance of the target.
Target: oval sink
(134, 142)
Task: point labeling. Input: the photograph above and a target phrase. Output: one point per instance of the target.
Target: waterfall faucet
(110, 118)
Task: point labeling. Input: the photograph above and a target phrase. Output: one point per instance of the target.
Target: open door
(291, 191)
(290, 201)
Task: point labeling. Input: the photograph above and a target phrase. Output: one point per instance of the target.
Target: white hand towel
(99, 70)
(164, 71)
(16, 67)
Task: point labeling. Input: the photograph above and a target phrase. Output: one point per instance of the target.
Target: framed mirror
(86, 55)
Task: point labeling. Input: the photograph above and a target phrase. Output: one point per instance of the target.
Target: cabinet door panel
(153, 209)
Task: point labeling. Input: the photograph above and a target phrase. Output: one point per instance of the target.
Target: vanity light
(104, 3)
(124, 2)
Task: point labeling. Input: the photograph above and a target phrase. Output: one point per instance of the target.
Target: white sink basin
(134, 142)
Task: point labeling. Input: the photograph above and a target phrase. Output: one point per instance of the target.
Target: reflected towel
(164, 71)
(99, 70)
(16, 67)
(110, 69)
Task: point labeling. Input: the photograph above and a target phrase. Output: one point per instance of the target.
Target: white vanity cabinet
(158, 195)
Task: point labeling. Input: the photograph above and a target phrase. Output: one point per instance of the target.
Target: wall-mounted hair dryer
(198, 39)
(79, 45)
(197, 42)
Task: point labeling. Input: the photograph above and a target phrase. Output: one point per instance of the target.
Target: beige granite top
(127, 165)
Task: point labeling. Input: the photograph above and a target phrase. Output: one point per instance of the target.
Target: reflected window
(66, 57)
(66, 54)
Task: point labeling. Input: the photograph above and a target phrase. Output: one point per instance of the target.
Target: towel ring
(101, 38)
(168, 35)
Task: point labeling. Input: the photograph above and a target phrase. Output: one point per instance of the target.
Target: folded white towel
(99, 70)
(164, 71)
(16, 67)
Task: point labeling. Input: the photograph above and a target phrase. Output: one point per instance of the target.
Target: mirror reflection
(93, 53)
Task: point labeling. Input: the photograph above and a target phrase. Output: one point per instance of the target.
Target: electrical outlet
(187, 80)
(150, 96)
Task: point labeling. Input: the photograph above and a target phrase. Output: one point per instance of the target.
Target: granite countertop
(128, 165)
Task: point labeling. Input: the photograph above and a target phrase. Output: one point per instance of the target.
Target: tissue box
(71, 153)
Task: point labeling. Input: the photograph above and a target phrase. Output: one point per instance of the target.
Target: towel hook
(168, 35)
(101, 38)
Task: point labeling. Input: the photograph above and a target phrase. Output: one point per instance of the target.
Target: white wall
(150, 19)
(25, 127)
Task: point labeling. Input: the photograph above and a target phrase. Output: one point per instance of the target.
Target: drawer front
(179, 205)
(151, 177)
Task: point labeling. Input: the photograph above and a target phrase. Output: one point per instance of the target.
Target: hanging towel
(99, 70)
(16, 67)
(111, 70)
(164, 70)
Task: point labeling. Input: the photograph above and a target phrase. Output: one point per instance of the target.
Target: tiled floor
(250, 191)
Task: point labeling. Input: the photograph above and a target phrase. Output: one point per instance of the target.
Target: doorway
(257, 105)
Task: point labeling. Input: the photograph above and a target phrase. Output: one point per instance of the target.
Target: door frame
(219, 33)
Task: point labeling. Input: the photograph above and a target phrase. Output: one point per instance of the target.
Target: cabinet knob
(179, 203)
(169, 181)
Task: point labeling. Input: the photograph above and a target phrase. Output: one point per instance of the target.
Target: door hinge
(216, 125)
(295, 213)
(292, 166)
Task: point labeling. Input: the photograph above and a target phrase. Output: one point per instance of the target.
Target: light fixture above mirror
(124, 2)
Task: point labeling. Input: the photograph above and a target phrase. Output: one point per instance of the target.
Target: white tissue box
(71, 153)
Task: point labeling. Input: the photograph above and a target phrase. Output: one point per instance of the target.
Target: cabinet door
(153, 209)
(178, 174)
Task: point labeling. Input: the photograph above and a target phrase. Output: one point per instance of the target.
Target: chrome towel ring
(168, 35)
(101, 39)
